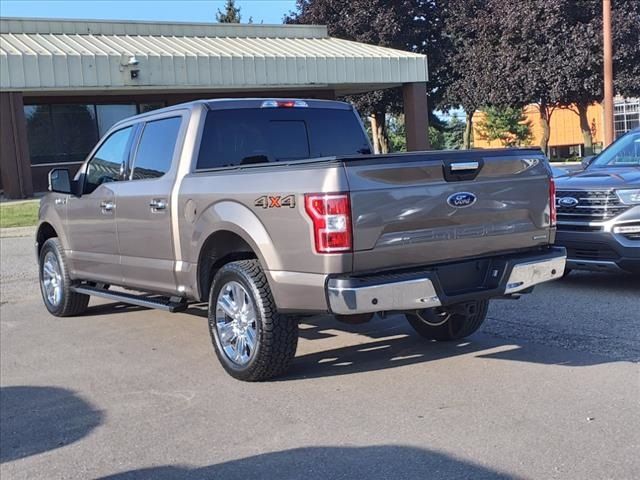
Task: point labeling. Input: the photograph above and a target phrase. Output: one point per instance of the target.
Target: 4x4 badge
(275, 201)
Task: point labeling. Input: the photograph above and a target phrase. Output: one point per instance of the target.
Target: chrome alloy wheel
(433, 318)
(52, 279)
(236, 323)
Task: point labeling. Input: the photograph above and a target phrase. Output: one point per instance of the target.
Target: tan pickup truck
(270, 209)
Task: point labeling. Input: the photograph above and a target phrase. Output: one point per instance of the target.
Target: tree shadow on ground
(371, 463)
(39, 419)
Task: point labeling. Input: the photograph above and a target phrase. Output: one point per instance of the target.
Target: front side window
(156, 148)
(106, 164)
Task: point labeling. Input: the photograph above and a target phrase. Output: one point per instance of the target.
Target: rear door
(429, 208)
(144, 207)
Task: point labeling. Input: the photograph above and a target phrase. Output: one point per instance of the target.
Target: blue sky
(267, 11)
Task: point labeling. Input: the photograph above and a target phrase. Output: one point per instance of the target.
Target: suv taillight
(331, 217)
(552, 202)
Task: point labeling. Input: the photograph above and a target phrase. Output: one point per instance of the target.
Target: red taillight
(331, 217)
(552, 202)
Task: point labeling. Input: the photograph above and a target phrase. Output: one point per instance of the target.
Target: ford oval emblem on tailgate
(461, 199)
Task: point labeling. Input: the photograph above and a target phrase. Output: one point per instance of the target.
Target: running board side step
(173, 304)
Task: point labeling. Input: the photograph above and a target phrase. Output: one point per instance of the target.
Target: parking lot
(549, 388)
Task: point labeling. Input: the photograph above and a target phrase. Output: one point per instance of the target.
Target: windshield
(623, 153)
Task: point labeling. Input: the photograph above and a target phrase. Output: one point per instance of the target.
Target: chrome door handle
(107, 206)
(158, 204)
(60, 201)
(456, 167)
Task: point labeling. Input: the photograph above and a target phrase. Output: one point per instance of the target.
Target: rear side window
(156, 148)
(107, 163)
(258, 135)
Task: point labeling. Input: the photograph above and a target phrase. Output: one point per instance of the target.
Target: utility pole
(608, 72)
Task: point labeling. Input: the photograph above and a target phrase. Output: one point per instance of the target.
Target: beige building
(565, 140)
(63, 83)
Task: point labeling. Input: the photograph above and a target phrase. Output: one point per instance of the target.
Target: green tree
(410, 25)
(542, 52)
(396, 133)
(454, 133)
(438, 134)
(585, 82)
(508, 125)
(230, 13)
(468, 78)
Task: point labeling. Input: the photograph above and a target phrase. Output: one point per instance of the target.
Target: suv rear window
(258, 135)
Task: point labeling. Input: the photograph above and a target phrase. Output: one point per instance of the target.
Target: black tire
(451, 324)
(276, 335)
(69, 303)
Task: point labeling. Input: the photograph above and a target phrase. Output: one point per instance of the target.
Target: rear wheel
(55, 283)
(251, 339)
(448, 324)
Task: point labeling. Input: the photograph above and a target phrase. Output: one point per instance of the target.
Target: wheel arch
(45, 232)
(220, 248)
(228, 231)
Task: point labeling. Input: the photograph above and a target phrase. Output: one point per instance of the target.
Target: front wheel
(453, 323)
(55, 283)
(252, 340)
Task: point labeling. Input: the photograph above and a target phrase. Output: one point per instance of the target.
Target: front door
(144, 209)
(91, 218)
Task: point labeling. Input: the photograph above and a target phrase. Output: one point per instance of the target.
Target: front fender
(54, 215)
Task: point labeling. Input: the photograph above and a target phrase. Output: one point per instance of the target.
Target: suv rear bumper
(600, 251)
(439, 286)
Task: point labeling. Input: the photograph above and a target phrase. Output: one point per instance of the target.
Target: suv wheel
(251, 339)
(55, 283)
(448, 324)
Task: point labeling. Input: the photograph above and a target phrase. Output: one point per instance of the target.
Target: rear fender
(235, 217)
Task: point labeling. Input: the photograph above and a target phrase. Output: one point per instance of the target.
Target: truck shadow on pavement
(39, 419)
(373, 463)
(394, 344)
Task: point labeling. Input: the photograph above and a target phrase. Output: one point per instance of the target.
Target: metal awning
(59, 55)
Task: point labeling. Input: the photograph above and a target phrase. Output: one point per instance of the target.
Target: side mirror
(586, 161)
(59, 180)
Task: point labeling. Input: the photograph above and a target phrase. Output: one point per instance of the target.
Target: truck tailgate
(434, 207)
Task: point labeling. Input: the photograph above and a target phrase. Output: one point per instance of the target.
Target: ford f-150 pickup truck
(272, 209)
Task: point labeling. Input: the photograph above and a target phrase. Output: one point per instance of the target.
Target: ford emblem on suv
(461, 199)
(568, 202)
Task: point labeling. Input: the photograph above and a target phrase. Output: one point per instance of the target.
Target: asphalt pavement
(548, 389)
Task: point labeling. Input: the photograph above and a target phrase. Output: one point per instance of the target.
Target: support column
(609, 127)
(416, 115)
(15, 165)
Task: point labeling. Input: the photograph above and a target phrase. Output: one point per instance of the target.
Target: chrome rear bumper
(403, 295)
(418, 290)
(527, 274)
